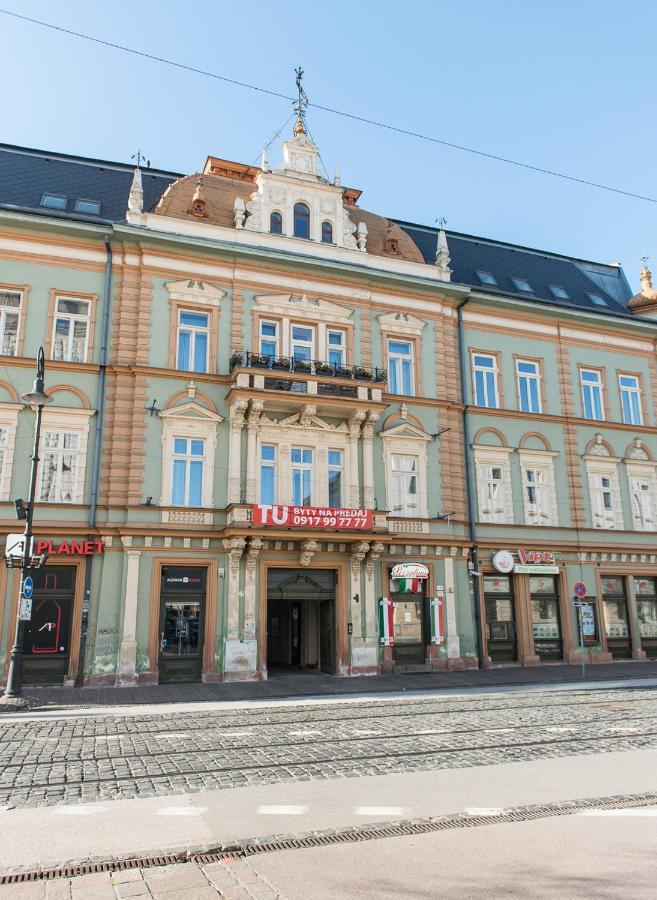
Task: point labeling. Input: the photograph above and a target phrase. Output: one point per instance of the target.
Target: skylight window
(598, 300)
(486, 278)
(53, 201)
(523, 285)
(91, 207)
(558, 292)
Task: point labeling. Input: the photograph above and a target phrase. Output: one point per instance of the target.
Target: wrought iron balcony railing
(279, 364)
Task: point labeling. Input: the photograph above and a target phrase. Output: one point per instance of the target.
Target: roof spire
(442, 250)
(646, 277)
(300, 105)
(136, 195)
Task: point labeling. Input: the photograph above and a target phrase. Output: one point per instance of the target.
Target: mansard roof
(27, 174)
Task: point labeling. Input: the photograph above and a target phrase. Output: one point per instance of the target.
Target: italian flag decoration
(437, 616)
(386, 633)
(408, 585)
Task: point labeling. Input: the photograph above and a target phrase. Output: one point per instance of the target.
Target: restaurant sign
(311, 517)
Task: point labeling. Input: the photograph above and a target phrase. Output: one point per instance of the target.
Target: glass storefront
(546, 619)
(182, 612)
(646, 607)
(617, 623)
(500, 618)
(408, 628)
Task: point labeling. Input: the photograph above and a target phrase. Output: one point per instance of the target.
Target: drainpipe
(470, 490)
(95, 466)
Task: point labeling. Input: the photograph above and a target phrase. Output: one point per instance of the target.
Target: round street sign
(28, 587)
(579, 589)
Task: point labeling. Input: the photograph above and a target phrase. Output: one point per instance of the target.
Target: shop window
(302, 476)
(528, 374)
(617, 623)
(400, 367)
(404, 483)
(59, 467)
(187, 475)
(193, 341)
(335, 478)
(630, 393)
(646, 607)
(268, 474)
(71, 333)
(591, 384)
(301, 220)
(11, 308)
(546, 618)
(484, 379)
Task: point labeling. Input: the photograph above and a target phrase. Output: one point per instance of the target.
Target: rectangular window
(604, 491)
(538, 490)
(90, 207)
(268, 473)
(11, 303)
(335, 478)
(484, 376)
(630, 391)
(193, 339)
(642, 495)
(71, 332)
(59, 467)
(400, 367)
(528, 373)
(302, 344)
(4, 441)
(492, 488)
(187, 482)
(591, 381)
(53, 201)
(335, 346)
(268, 338)
(404, 485)
(302, 476)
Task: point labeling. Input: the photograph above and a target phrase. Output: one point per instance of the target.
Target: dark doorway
(546, 620)
(47, 637)
(182, 623)
(617, 621)
(408, 620)
(301, 620)
(500, 619)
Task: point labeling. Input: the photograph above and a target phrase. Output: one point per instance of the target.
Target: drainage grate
(356, 834)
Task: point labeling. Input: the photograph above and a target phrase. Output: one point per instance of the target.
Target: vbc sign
(311, 517)
(536, 557)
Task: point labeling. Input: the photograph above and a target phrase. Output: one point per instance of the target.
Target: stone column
(237, 411)
(236, 662)
(127, 666)
(250, 600)
(453, 640)
(373, 558)
(358, 553)
(252, 427)
(368, 461)
(355, 421)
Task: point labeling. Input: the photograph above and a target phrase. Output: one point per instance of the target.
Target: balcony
(327, 384)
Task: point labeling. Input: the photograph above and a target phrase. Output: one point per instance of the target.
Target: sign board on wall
(409, 570)
(311, 517)
(68, 548)
(531, 562)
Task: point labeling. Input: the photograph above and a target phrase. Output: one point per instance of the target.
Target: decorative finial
(199, 204)
(265, 161)
(140, 158)
(337, 181)
(442, 250)
(646, 276)
(136, 195)
(300, 104)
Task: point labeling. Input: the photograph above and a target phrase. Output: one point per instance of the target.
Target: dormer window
(301, 220)
(327, 233)
(276, 223)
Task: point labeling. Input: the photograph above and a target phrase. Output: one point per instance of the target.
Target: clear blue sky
(565, 85)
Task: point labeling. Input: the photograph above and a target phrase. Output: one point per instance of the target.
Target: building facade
(288, 433)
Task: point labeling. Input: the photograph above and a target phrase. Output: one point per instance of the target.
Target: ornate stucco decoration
(191, 290)
(358, 553)
(315, 309)
(401, 323)
(645, 302)
(308, 550)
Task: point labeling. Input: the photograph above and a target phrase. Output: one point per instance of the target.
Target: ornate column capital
(358, 553)
(373, 557)
(255, 546)
(308, 550)
(235, 547)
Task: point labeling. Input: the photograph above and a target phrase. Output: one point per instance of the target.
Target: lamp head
(37, 396)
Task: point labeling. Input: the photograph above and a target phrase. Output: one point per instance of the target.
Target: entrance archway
(301, 624)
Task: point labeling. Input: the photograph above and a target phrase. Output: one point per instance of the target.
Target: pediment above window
(405, 430)
(190, 411)
(303, 307)
(401, 323)
(193, 290)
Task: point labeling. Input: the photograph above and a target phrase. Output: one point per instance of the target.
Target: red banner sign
(311, 517)
(536, 557)
(68, 548)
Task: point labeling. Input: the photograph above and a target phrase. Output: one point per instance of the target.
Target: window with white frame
(604, 489)
(404, 482)
(494, 492)
(630, 393)
(592, 404)
(70, 340)
(528, 374)
(538, 489)
(643, 497)
(11, 307)
(484, 378)
(336, 347)
(8, 424)
(187, 474)
(302, 476)
(335, 478)
(269, 338)
(302, 342)
(60, 456)
(268, 473)
(401, 367)
(193, 341)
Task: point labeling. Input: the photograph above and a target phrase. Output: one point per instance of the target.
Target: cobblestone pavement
(54, 761)
(232, 880)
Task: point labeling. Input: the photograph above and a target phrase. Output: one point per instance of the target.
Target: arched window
(301, 220)
(276, 223)
(327, 233)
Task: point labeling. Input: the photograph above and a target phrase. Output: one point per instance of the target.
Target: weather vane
(139, 156)
(644, 260)
(441, 221)
(300, 103)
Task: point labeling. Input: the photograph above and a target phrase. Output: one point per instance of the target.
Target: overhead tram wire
(332, 110)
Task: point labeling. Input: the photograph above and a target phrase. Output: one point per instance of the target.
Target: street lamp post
(37, 399)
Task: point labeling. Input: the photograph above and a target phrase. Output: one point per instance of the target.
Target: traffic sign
(28, 587)
(25, 609)
(580, 589)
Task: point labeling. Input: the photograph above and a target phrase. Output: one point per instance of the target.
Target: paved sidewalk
(232, 880)
(312, 685)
